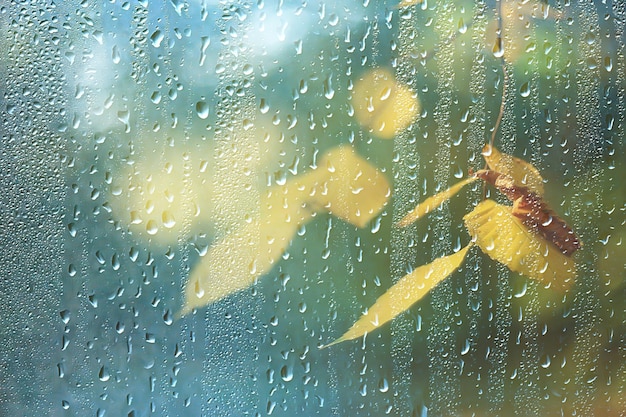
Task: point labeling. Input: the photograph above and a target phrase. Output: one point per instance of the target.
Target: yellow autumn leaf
(354, 190)
(402, 295)
(507, 240)
(343, 184)
(383, 104)
(433, 202)
(233, 263)
(522, 172)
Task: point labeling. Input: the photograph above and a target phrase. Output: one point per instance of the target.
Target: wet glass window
(281, 208)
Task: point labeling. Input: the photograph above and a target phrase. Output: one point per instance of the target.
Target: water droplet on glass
(72, 229)
(286, 373)
(376, 224)
(462, 26)
(103, 374)
(120, 327)
(202, 109)
(198, 290)
(115, 262)
(458, 172)
(92, 300)
(151, 227)
(205, 42)
(383, 385)
(115, 55)
(525, 90)
(156, 38)
(498, 48)
(270, 406)
(466, 347)
(329, 92)
(168, 318)
(385, 93)
(522, 291)
(65, 316)
(220, 68)
(156, 97)
(124, 117)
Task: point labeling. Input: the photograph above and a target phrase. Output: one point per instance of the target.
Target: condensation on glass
(199, 198)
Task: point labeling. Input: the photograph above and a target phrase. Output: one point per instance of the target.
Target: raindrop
(522, 291)
(286, 373)
(329, 92)
(120, 327)
(376, 224)
(280, 177)
(198, 290)
(93, 300)
(458, 172)
(156, 38)
(463, 27)
(498, 48)
(115, 55)
(65, 316)
(205, 42)
(133, 254)
(115, 262)
(545, 363)
(104, 374)
(270, 406)
(608, 63)
(383, 385)
(466, 347)
(168, 318)
(303, 87)
(385, 94)
(61, 370)
(124, 117)
(202, 109)
(592, 63)
(465, 115)
(151, 227)
(525, 90)
(156, 97)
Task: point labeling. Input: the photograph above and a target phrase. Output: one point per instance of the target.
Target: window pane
(209, 208)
